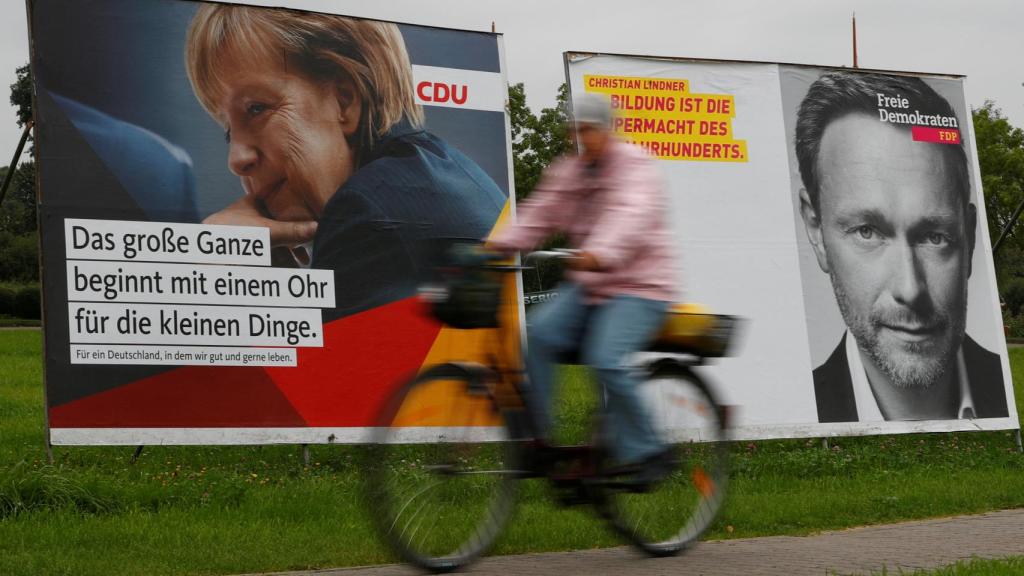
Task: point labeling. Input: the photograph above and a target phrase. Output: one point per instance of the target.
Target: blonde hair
(323, 47)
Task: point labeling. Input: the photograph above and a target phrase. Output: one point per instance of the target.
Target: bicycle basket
(691, 330)
(470, 299)
(466, 293)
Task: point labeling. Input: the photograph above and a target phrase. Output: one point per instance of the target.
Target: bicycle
(452, 443)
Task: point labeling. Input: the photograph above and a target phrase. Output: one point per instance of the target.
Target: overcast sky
(982, 39)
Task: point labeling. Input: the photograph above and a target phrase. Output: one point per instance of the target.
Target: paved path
(907, 546)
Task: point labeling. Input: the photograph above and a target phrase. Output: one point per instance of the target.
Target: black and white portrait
(888, 225)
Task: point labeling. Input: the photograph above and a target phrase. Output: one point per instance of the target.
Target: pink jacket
(619, 214)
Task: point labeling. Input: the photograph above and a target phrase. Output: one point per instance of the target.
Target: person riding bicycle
(611, 203)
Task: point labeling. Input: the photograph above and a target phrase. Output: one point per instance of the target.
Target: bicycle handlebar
(556, 254)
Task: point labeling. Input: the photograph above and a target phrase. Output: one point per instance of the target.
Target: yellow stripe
(443, 403)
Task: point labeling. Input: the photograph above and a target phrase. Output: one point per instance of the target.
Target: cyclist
(610, 202)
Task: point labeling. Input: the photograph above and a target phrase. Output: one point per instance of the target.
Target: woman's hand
(583, 262)
(246, 212)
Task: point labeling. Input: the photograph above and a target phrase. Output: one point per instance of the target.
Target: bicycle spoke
(666, 516)
(440, 504)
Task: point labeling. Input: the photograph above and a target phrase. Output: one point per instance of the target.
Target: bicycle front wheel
(665, 517)
(442, 476)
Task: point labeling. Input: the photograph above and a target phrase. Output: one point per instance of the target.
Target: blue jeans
(606, 335)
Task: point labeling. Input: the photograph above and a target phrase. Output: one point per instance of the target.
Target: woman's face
(286, 137)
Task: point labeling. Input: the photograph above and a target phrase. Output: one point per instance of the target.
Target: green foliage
(536, 140)
(19, 301)
(26, 302)
(21, 94)
(23, 489)
(1001, 156)
(973, 567)
(7, 294)
(19, 260)
(1013, 293)
(1014, 325)
(248, 509)
(18, 220)
(19, 323)
(18, 211)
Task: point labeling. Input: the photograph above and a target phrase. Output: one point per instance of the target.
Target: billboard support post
(1020, 446)
(14, 161)
(855, 40)
(1007, 228)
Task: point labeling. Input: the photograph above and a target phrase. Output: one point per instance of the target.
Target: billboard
(237, 205)
(841, 212)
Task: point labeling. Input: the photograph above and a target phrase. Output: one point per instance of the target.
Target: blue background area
(451, 49)
(125, 58)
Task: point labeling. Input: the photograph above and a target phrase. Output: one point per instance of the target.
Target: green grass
(976, 567)
(224, 510)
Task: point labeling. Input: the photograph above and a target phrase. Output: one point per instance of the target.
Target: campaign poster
(840, 213)
(238, 205)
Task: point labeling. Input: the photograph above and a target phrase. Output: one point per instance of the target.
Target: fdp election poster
(237, 207)
(840, 212)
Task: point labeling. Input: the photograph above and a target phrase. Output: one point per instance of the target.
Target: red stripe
(342, 384)
(191, 396)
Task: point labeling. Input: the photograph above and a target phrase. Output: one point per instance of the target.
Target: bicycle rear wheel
(672, 513)
(442, 476)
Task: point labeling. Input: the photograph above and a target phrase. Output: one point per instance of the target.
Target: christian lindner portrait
(887, 207)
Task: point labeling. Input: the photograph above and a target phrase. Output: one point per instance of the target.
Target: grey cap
(591, 108)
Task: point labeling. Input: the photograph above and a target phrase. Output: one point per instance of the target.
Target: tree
(19, 260)
(18, 211)
(536, 140)
(1001, 157)
(18, 242)
(21, 94)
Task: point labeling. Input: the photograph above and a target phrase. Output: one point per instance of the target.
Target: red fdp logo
(936, 135)
(440, 92)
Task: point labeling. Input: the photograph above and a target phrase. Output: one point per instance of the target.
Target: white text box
(103, 323)
(105, 281)
(166, 242)
(181, 355)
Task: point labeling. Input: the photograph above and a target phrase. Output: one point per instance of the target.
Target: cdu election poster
(237, 207)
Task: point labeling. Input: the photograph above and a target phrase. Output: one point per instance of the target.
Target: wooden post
(305, 454)
(1007, 228)
(14, 161)
(855, 40)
